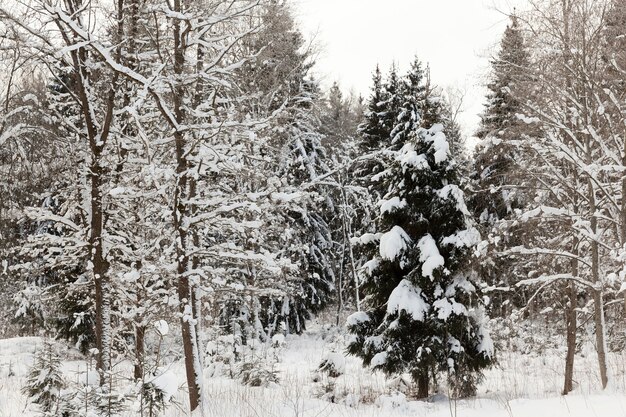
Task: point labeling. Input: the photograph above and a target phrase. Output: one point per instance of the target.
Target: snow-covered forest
(193, 223)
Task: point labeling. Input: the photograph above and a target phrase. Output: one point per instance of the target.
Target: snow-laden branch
(549, 279)
(520, 250)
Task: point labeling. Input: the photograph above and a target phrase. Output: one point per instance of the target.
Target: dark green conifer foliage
(45, 380)
(495, 180)
(423, 311)
(372, 130)
(495, 155)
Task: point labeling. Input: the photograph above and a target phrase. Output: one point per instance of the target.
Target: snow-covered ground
(520, 386)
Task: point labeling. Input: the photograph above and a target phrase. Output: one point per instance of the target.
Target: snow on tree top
(391, 205)
(406, 297)
(393, 243)
(429, 256)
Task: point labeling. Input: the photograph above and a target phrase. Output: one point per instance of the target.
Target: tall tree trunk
(140, 330)
(570, 312)
(186, 292)
(570, 319)
(422, 385)
(623, 212)
(348, 222)
(598, 299)
(138, 369)
(100, 270)
(196, 299)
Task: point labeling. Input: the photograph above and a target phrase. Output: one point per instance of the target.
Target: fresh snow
(409, 158)
(370, 266)
(393, 243)
(286, 197)
(366, 239)
(168, 383)
(278, 339)
(523, 385)
(463, 238)
(406, 297)
(445, 308)
(526, 119)
(90, 378)
(379, 359)
(117, 191)
(452, 191)
(391, 205)
(336, 360)
(162, 327)
(356, 318)
(429, 256)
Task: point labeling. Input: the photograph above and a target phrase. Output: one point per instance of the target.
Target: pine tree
(423, 313)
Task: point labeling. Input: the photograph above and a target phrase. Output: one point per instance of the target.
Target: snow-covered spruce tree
(303, 160)
(28, 167)
(276, 85)
(496, 176)
(494, 159)
(92, 90)
(53, 257)
(375, 135)
(423, 311)
(373, 130)
(45, 380)
(340, 119)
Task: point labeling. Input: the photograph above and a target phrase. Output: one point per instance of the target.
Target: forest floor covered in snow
(521, 385)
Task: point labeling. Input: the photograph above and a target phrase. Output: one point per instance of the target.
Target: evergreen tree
(340, 121)
(45, 380)
(496, 178)
(372, 131)
(277, 86)
(423, 311)
(495, 155)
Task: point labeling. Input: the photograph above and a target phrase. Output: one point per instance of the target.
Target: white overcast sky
(456, 37)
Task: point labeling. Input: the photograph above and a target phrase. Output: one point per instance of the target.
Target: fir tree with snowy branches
(495, 156)
(45, 380)
(423, 310)
(496, 178)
